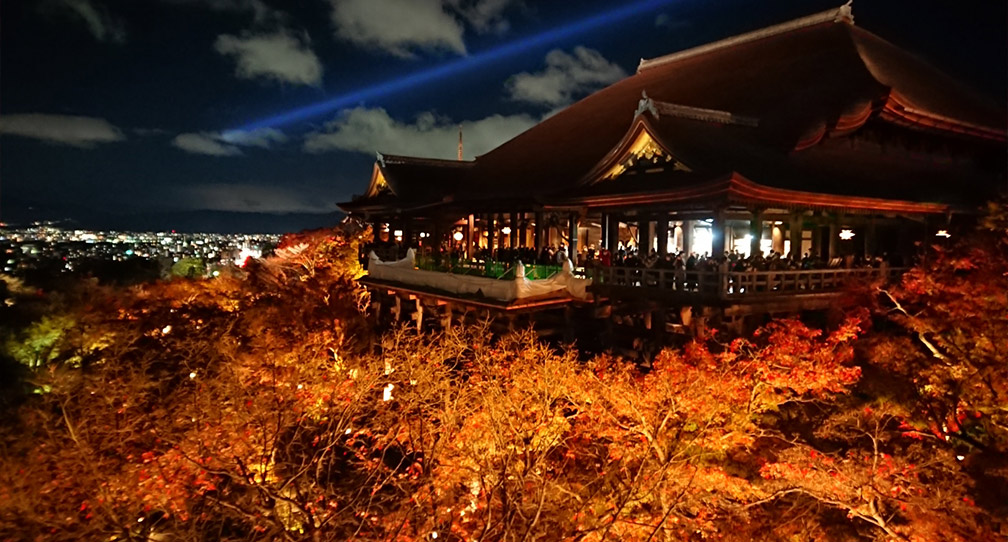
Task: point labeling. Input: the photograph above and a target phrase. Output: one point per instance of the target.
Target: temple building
(813, 137)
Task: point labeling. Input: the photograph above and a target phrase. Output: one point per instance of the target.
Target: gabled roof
(803, 84)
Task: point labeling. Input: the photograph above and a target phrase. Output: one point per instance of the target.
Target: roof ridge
(657, 108)
(384, 159)
(842, 14)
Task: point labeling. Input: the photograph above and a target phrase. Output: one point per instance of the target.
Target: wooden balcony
(731, 286)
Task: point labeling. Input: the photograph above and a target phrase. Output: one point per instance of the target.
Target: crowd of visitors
(591, 257)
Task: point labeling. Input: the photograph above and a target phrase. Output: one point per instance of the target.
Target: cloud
(254, 198)
(257, 8)
(566, 76)
(102, 25)
(84, 132)
(262, 137)
(227, 143)
(279, 56)
(204, 143)
(398, 27)
(485, 15)
(368, 130)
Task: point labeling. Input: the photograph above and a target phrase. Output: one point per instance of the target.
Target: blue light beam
(455, 66)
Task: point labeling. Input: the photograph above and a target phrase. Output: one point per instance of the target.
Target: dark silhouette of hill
(16, 213)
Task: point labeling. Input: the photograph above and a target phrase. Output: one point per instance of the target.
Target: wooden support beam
(446, 316)
(418, 315)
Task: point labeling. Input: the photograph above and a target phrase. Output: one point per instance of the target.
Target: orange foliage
(262, 407)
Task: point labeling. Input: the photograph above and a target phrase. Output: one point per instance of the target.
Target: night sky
(153, 114)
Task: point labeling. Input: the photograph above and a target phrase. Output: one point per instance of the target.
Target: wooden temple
(812, 138)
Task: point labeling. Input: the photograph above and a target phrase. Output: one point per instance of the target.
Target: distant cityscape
(46, 248)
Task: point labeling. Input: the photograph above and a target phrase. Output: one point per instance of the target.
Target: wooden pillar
(755, 231)
(523, 236)
(777, 238)
(663, 235)
(612, 241)
(870, 240)
(647, 233)
(816, 249)
(513, 237)
(500, 235)
(376, 228)
(539, 238)
(469, 233)
(436, 236)
(795, 225)
(604, 240)
(687, 237)
(834, 239)
(572, 236)
(718, 234)
(491, 231)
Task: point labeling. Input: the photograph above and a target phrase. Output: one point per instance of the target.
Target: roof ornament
(380, 158)
(646, 104)
(845, 14)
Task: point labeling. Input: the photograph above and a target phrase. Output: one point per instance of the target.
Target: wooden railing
(481, 268)
(732, 284)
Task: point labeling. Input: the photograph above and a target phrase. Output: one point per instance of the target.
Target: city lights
(29, 248)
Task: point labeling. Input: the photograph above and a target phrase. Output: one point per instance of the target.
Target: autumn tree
(262, 406)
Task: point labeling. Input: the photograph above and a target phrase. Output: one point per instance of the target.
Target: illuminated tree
(261, 406)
